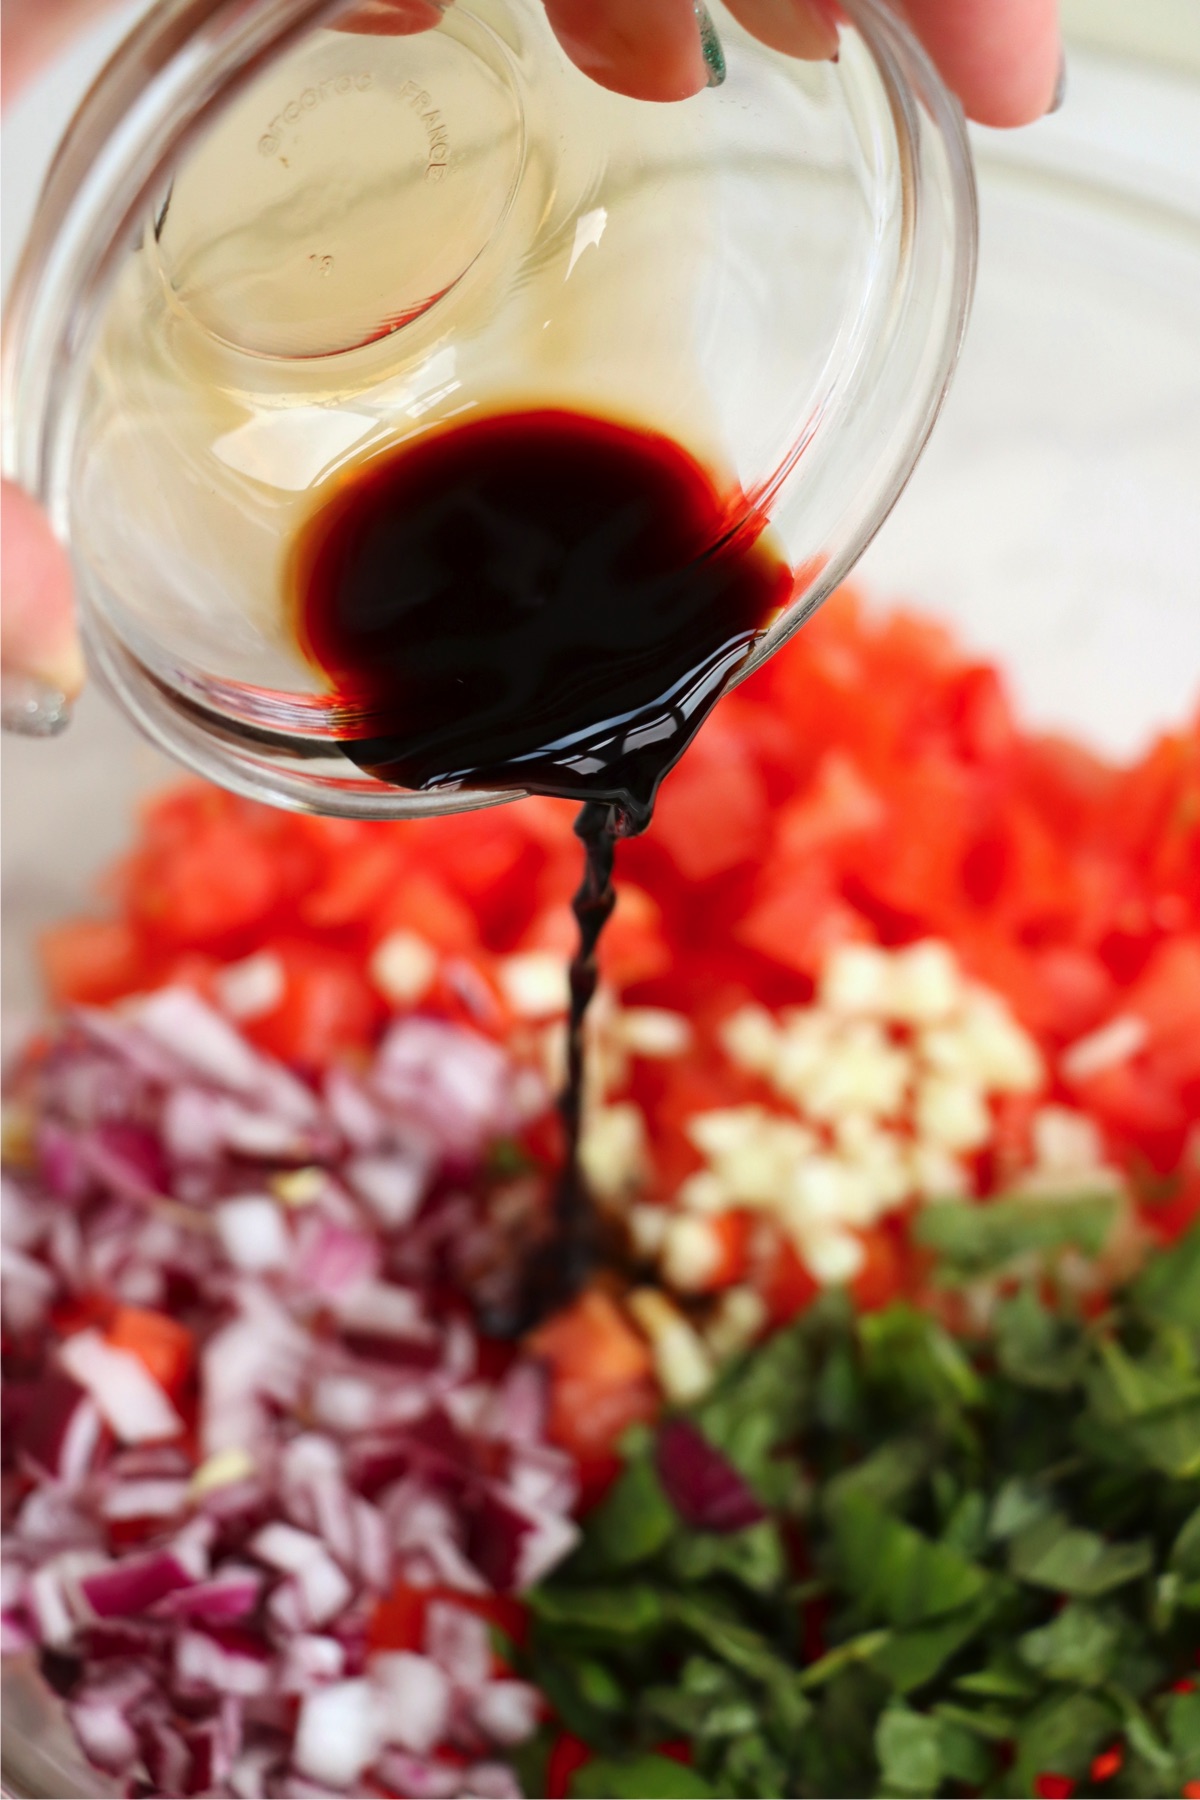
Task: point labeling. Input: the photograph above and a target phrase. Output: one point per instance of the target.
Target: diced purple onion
(703, 1486)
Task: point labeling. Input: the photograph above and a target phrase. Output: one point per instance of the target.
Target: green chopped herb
(1000, 1540)
(973, 1240)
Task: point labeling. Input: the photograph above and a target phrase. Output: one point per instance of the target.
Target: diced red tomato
(712, 812)
(837, 804)
(602, 1381)
(733, 1231)
(355, 881)
(798, 917)
(1107, 1764)
(786, 1284)
(161, 1344)
(428, 907)
(634, 948)
(568, 1756)
(882, 1277)
(398, 1621)
(592, 1341)
(328, 1006)
(1167, 997)
(90, 962)
(1141, 1111)
(213, 883)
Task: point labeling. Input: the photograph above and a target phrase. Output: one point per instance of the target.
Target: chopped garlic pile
(885, 1085)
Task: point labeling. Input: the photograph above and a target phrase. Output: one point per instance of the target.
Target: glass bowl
(270, 250)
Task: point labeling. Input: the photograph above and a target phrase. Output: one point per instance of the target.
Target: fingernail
(710, 44)
(31, 707)
(1060, 87)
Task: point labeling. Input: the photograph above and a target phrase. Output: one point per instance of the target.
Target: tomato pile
(870, 785)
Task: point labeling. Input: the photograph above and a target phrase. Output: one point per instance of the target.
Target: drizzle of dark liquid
(542, 601)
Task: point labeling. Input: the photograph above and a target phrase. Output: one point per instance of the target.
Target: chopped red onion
(309, 1660)
(130, 1401)
(28, 1289)
(492, 1781)
(332, 1261)
(521, 1405)
(147, 1499)
(135, 1584)
(392, 1186)
(702, 1485)
(225, 1598)
(419, 1777)
(344, 1436)
(56, 1423)
(460, 1643)
(253, 1233)
(337, 1734)
(105, 1734)
(413, 1700)
(227, 1664)
(507, 1712)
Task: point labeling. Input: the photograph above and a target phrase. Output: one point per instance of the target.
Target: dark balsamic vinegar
(536, 600)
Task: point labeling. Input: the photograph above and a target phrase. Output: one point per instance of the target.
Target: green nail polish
(710, 44)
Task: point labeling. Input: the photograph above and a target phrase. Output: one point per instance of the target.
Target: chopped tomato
(634, 948)
(428, 907)
(569, 1755)
(398, 1621)
(592, 1341)
(712, 812)
(732, 1232)
(1167, 997)
(328, 1006)
(210, 880)
(1053, 1787)
(799, 917)
(161, 1344)
(838, 804)
(602, 1380)
(89, 962)
(881, 1278)
(786, 1285)
(1107, 1764)
(355, 880)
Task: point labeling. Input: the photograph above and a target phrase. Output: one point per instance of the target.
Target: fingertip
(1003, 58)
(797, 28)
(647, 51)
(390, 18)
(37, 630)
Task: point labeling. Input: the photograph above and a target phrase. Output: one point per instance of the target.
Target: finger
(797, 27)
(37, 629)
(1003, 58)
(390, 18)
(33, 34)
(650, 49)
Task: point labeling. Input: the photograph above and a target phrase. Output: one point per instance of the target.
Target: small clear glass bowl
(270, 248)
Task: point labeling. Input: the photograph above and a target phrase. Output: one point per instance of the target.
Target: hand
(1002, 57)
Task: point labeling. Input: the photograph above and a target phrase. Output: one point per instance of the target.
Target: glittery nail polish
(31, 707)
(710, 44)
